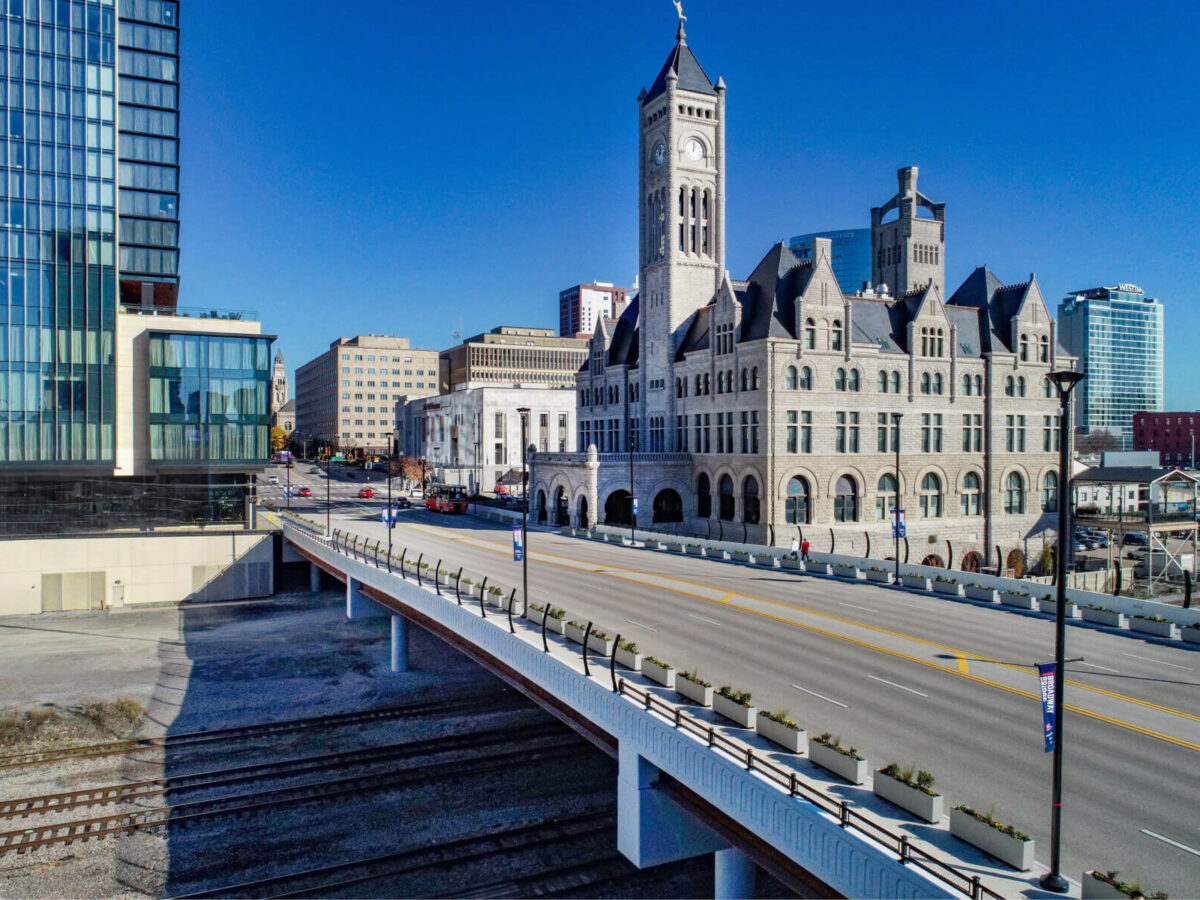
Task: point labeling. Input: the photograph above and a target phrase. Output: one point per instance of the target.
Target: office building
(118, 408)
(1170, 434)
(516, 357)
(350, 397)
(582, 306)
(851, 255)
(1117, 334)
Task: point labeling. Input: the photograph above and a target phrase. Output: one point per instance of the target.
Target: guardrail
(789, 780)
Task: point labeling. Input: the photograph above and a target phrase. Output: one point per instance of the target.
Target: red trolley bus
(446, 498)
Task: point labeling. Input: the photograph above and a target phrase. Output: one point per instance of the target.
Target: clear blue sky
(421, 168)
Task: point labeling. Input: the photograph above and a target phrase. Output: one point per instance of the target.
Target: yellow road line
(960, 670)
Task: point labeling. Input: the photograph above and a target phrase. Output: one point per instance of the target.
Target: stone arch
(668, 506)
(579, 503)
(932, 559)
(617, 507)
(960, 481)
(971, 561)
(790, 472)
(854, 472)
(1015, 560)
(560, 507)
(540, 512)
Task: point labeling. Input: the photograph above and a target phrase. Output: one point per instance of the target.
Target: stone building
(763, 408)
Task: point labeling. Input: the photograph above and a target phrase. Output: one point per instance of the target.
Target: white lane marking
(1159, 661)
(702, 619)
(1094, 666)
(640, 625)
(902, 687)
(1167, 840)
(856, 606)
(821, 697)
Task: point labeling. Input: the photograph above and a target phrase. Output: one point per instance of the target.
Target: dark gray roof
(984, 291)
(971, 328)
(698, 332)
(684, 64)
(1128, 474)
(769, 298)
(875, 322)
(623, 351)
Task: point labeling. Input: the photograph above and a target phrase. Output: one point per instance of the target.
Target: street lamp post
(389, 506)
(328, 531)
(1065, 381)
(632, 493)
(288, 491)
(523, 412)
(896, 417)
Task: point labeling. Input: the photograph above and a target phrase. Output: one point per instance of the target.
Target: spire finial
(681, 36)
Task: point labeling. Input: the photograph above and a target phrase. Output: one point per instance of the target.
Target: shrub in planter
(818, 568)
(691, 685)
(1190, 633)
(628, 655)
(1017, 599)
(1102, 615)
(735, 706)
(695, 549)
(1002, 841)
(981, 592)
(827, 752)
(943, 584)
(600, 642)
(791, 561)
(846, 571)
(740, 555)
(574, 631)
(554, 620)
(879, 575)
(1049, 605)
(920, 582)
(1155, 625)
(776, 727)
(1104, 885)
(652, 544)
(658, 671)
(534, 612)
(914, 793)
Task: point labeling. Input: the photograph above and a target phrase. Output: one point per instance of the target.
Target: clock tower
(279, 386)
(681, 201)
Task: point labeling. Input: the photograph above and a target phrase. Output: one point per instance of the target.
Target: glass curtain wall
(57, 232)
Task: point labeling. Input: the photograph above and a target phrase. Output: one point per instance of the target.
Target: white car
(273, 479)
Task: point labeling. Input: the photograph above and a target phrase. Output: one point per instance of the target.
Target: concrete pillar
(399, 643)
(314, 578)
(358, 605)
(593, 487)
(733, 875)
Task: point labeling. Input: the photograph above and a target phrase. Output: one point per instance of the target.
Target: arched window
(678, 387)
(979, 385)
(845, 502)
(881, 383)
(839, 380)
(1047, 388)
(931, 497)
(806, 379)
(729, 382)
(972, 491)
(837, 335)
(1014, 494)
(754, 379)
(966, 385)
(1044, 348)
(885, 496)
(707, 383)
(745, 379)
(796, 505)
(720, 382)
(699, 385)
(1050, 492)
(938, 383)
(790, 378)
(852, 380)
(1021, 386)
(926, 383)
(810, 334)
(725, 498)
(750, 507)
(1024, 348)
(1010, 388)
(895, 382)
(703, 497)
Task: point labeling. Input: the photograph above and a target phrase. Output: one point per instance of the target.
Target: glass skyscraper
(1117, 334)
(851, 255)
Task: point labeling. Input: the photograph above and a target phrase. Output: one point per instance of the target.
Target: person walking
(795, 548)
(804, 550)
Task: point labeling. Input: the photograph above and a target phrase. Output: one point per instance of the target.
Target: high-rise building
(116, 407)
(851, 255)
(1117, 334)
(582, 306)
(352, 395)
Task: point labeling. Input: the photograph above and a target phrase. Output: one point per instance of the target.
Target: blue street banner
(898, 523)
(635, 507)
(518, 544)
(383, 516)
(1046, 681)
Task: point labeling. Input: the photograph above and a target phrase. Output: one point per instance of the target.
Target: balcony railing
(1171, 512)
(194, 312)
(578, 459)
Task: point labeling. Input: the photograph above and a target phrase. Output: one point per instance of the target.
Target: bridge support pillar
(314, 578)
(399, 643)
(358, 604)
(733, 875)
(651, 828)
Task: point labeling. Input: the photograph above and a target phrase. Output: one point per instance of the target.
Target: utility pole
(523, 412)
(896, 417)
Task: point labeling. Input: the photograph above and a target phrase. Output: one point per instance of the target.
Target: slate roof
(623, 351)
(876, 322)
(985, 292)
(697, 335)
(685, 65)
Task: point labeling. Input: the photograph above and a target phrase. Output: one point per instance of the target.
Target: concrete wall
(132, 569)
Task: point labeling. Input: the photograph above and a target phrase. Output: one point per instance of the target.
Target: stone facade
(763, 409)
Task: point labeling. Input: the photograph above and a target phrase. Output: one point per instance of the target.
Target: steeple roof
(685, 66)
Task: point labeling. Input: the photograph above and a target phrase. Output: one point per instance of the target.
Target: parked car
(1135, 537)
(313, 470)
(273, 479)
(402, 503)
(416, 492)
(304, 492)
(1137, 553)
(366, 494)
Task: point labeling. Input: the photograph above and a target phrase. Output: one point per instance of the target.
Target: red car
(304, 492)
(366, 494)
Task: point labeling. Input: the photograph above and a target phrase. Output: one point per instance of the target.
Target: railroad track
(47, 804)
(556, 746)
(496, 699)
(424, 861)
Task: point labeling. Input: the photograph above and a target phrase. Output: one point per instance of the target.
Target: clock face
(694, 149)
(660, 154)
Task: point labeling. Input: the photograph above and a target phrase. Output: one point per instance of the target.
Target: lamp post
(1065, 381)
(896, 417)
(632, 495)
(288, 490)
(523, 412)
(328, 532)
(479, 473)
(389, 506)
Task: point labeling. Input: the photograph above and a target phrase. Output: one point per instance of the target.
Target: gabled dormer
(1032, 329)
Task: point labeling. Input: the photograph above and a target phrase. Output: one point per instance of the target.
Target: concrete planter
(533, 615)
(574, 633)
(1017, 601)
(629, 660)
(790, 739)
(794, 564)
(835, 761)
(444, 579)
(879, 577)
(717, 554)
(697, 693)
(499, 600)
(1050, 607)
(675, 547)
(978, 592)
(1158, 629)
(1191, 634)
(652, 544)
(739, 556)
(1109, 617)
(767, 561)
(847, 572)
(599, 644)
(818, 568)
(468, 591)
(663, 675)
(920, 582)
(945, 587)
(694, 550)
(1098, 889)
(991, 840)
(744, 716)
(553, 625)
(567, 530)
(916, 801)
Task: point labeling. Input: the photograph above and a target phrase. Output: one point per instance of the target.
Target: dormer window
(810, 334)
(1024, 348)
(933, 342)
(837, 335)
(1044, 348)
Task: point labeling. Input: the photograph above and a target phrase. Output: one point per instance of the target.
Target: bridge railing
(357, 547)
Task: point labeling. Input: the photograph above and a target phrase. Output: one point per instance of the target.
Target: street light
(523, 412)
(1065, 381)
(389, 506)
(632, 493)
(328, 531)
(896, 417)
(288, 490)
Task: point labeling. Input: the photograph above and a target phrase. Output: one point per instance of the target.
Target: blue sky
(425, 168)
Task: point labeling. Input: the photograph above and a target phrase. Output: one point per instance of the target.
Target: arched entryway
(668, 506)
(971, 562)
(583, 512)
(562, 511)
(1015, 561)
(725, 497)
(933, 560)
(541, 507)
(616, 508)
(750, 506)
(703, 497)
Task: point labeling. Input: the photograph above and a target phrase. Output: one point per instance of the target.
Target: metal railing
(786, 779)
(193, 312)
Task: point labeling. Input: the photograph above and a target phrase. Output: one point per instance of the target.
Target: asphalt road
(928, 682)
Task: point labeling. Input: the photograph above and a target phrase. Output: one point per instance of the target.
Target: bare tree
(1098, 441)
